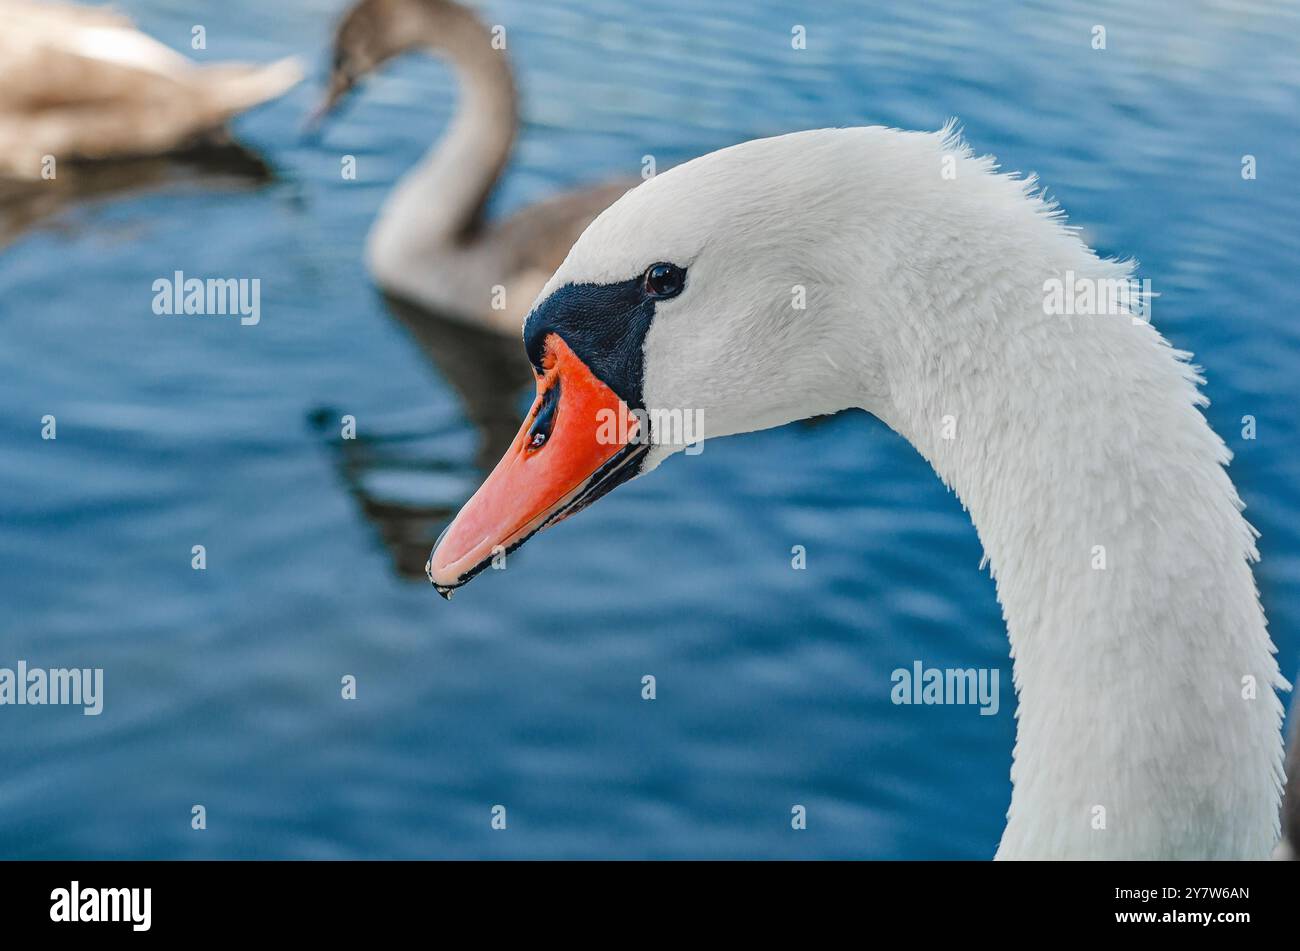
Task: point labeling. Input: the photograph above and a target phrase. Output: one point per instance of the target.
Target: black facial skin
(606, 325)
(544, 421)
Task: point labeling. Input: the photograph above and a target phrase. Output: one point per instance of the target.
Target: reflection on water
(487, 371)
(222, 685)
(399, 471)
(26, 204)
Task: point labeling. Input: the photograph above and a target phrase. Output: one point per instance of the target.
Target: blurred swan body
(83, 83)
(431, 243)
(1148, 722)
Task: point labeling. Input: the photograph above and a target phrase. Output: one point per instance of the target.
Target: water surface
(223, 686)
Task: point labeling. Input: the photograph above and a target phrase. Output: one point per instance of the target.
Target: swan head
(693, 307)
(372, 32)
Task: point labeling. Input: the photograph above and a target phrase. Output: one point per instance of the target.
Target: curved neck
(440, 202)
(1148, 725)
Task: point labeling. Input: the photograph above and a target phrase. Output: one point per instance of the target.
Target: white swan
(1148, 723)
(1289, 847)
(79, 82)
(431, 244)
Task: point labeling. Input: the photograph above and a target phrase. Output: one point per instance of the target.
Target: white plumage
(1139, 735)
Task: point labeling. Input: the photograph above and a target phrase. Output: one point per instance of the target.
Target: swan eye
(544, 421)
(664, 280)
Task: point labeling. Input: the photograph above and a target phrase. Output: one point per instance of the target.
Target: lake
(222, 686)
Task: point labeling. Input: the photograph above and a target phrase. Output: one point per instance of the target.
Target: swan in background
(83, 83)
(1148, 724)
(431, 244)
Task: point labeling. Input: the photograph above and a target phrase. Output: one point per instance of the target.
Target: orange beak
(577, 442)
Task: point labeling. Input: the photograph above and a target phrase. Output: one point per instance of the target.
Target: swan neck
(441, 201)
(1148, 723)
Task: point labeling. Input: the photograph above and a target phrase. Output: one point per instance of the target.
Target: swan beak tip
(339, 86)
(315, 121)
(444, 590)
(562, 459)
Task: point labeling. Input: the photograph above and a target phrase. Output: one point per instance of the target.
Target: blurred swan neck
(442, 200)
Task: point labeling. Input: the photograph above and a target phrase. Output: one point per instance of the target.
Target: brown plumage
(432, 244)
(83, 83)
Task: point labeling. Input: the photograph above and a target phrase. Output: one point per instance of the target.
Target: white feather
(925, 299)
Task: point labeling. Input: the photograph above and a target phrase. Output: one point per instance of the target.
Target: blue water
(223, 686)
